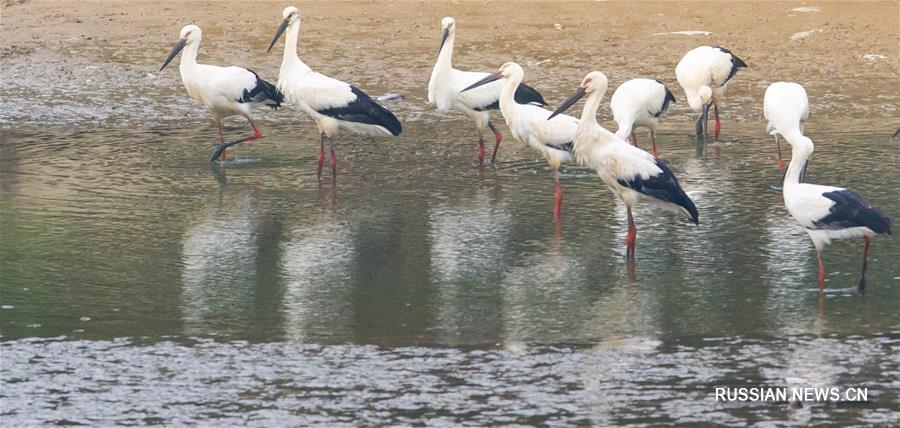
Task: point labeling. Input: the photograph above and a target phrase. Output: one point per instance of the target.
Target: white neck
(189, 56)
(801, 150)
(290, 58)
(508, 95)
(445, 56)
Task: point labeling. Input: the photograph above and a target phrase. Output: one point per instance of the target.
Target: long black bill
(175, 49)
(803, 171)
(705, 118)
(444, 35)
(569, 102)
(487, 79)
(281, 28)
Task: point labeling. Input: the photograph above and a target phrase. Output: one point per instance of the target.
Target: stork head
(701, 98)
(510, 70)
(189, 35)
(594, 82)
(290, 16)
(448, 27)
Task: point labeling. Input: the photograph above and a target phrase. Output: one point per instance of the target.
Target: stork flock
(632, 174)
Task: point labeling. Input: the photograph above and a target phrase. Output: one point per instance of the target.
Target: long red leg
(632, 232)
(333, 159)
(480, 148)
(559, 196)
(718, 124)
(821, 271)
(633, 139)
(862, 279)
(653, 137)
(321, 156)
(498, 137)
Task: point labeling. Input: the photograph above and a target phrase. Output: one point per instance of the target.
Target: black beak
(175, 49)
(569, 102)
(281, 28)
(444, 35)
(803, 172)
(487, 79)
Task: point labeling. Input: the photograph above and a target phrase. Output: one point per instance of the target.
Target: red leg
(480, 148)
(498, 137)
(633, 139)
(632, 231)
(559, 196)
(333, 159)
(718, 124)
(321, 156)
(653, 137)
(862, 279)
(821, 271)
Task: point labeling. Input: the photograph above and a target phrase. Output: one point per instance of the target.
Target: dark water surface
(140, 284)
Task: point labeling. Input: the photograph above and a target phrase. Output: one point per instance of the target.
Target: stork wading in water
(704, 73)
(827, 212)
(786, 107)
(226, 91)
(446, 84)
(331, 103)
(632, 174)
(533, 125)
(639, 102)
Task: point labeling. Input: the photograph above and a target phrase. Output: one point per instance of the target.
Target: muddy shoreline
(97, 62)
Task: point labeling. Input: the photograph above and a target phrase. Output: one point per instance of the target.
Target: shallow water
(421, 286)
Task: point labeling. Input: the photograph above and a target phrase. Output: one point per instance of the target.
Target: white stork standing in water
(704, 73)
(786, 107)
(531, 125)
(333, 104)
(639, 102)
(446, 84)
(226, 91)
(631, 173)
(828, 212)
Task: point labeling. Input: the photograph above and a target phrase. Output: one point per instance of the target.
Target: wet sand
(98, 61)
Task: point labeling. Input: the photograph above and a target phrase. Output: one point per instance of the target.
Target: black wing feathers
(365, 110)
(262, 92)
(850, 210)
(663, 186)
(524, 95)
(670, 98)
(736, 63)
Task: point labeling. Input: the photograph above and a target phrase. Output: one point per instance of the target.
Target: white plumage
(331, 103)
(704, 73)
(827, 212)
(632, 174)
(446, 85)
(639, 103)
(786, 107)
(529, 124)
(225, 91)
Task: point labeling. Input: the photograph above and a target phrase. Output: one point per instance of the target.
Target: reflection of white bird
(631, 173)
(786, 107)
(828, 212)
(219, 259)
(226, 91)
(532, 125)
(468, 256)
(317, 267)
(333, 104)
(446, 84)
(637, 103)
(704, 73)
